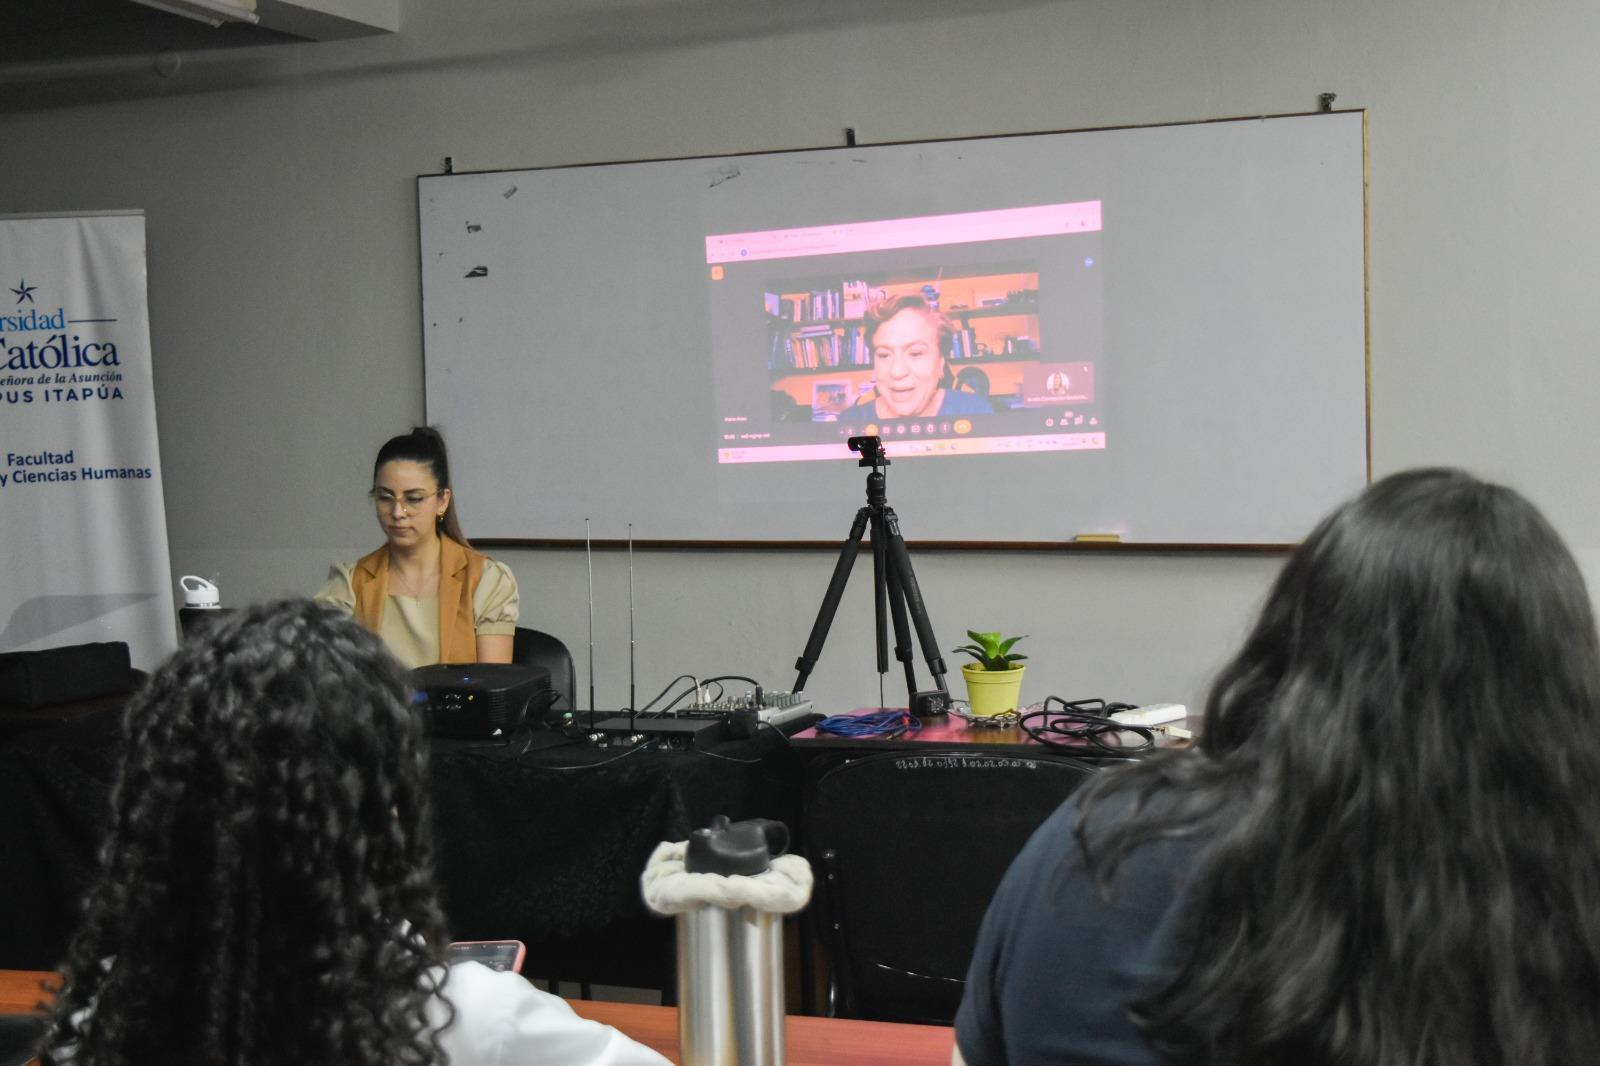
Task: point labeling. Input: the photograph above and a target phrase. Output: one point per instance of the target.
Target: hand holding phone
(495, 954)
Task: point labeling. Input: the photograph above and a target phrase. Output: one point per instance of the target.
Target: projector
(479, 700)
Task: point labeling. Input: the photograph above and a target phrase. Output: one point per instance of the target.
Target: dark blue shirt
(958, 402)
(955, 402)
(1056, 965)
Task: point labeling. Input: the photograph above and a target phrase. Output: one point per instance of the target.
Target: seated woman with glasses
(426, 592)
(1382, 849)
(266, 891)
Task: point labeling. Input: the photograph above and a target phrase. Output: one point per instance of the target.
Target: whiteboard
(1156, 334)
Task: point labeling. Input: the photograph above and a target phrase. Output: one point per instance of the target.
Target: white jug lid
(198, 592)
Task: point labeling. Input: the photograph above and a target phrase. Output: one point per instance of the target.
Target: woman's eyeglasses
(409, 502)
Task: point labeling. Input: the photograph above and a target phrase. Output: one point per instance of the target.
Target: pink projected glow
(900, 449)
(967, 227)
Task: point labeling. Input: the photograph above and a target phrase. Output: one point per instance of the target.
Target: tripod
(894, 585)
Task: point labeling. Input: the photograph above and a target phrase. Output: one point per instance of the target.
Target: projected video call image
(947, 335)
(909, 349)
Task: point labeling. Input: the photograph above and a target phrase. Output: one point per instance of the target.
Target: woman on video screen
(910, 344)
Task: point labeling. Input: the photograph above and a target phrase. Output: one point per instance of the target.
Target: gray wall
(284, 294)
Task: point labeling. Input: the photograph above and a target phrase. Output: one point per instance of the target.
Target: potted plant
(994, 680)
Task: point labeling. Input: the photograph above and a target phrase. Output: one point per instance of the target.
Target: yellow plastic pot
(992, 692)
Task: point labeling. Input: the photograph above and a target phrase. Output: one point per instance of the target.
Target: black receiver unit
(480, 700)
(625, 731)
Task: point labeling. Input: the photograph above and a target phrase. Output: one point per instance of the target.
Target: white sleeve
(503, 1019)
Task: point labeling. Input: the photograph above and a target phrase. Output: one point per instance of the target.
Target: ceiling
(46, 30)
(66, 52)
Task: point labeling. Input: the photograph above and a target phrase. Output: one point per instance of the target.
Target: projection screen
(1156, 334)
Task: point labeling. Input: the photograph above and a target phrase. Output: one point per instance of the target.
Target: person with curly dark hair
(1382, 850)
(266, 891)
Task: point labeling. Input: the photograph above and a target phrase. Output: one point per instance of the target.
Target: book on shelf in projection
(846, 300)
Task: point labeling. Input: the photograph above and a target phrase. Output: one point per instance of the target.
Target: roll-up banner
(81, 514)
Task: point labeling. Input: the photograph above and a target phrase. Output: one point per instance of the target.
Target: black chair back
(908, 848)
(195, 621)
(541, 649)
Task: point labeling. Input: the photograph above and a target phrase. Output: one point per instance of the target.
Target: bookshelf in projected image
(817, 333)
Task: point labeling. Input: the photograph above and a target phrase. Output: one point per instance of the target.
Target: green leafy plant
(992, 650)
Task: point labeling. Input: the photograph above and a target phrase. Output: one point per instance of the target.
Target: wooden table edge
(808, 1041)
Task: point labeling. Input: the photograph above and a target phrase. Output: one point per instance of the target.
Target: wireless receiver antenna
(633, 699)
(588, 555)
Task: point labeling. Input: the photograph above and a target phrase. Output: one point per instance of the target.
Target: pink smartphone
(495, 954)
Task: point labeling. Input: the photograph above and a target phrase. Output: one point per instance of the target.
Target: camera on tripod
(871, 449)
(896, 596)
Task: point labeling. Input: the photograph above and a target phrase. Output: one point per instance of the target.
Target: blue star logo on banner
(24, 291)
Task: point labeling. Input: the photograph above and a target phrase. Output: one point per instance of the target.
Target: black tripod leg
(881, 574)
(900, 559)
(830, 601)
(902, 632)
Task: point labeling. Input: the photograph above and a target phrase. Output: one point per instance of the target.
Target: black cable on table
(1081, 726)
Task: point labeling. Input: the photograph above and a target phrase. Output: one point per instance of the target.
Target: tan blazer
(460, 568)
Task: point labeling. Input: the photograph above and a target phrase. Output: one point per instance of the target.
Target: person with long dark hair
(1381, 851)
(266, 892)
(426, 591)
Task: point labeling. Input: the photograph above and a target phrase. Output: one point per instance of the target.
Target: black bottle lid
(735, 848)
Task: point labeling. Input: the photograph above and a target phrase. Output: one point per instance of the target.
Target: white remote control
(1153, 714)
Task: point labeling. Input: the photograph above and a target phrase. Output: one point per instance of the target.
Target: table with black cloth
(54, 808)
(542, 839)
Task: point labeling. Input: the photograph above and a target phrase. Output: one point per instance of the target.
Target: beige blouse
(411, 623)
